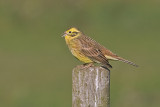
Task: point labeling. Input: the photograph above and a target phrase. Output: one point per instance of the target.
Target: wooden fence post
(90, 87)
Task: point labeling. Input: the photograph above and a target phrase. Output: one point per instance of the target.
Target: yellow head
(71, 33)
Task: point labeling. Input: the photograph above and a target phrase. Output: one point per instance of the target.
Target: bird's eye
(69, 31)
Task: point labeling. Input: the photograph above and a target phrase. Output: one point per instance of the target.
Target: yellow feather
(74, 47)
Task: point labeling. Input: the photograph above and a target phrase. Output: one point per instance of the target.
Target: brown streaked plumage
(88, 50)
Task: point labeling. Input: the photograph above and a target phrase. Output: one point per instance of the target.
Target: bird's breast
(75, 48)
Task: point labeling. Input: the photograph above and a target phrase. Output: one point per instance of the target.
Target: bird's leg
(86, 65)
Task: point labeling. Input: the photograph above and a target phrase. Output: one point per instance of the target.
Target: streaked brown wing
(90, 49)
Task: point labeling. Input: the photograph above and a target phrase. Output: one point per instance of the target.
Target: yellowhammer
(88, 50)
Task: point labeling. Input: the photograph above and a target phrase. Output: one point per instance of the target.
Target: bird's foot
(85, 66)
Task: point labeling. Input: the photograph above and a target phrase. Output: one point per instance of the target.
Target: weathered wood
(90, 87)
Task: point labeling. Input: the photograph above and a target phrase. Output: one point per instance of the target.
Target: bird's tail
(126, 61)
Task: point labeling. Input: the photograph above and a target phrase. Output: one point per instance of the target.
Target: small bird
(88, 50)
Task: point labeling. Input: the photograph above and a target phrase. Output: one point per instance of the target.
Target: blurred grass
(35, 65)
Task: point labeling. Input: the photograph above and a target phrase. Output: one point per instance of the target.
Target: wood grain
(90, 87)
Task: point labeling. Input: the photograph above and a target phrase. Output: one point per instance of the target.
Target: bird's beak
(64, 34)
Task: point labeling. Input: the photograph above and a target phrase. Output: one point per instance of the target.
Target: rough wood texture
(90, 87)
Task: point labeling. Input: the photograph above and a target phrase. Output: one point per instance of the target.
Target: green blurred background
(36, 65)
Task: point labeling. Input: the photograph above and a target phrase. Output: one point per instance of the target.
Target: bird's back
(90, 44)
